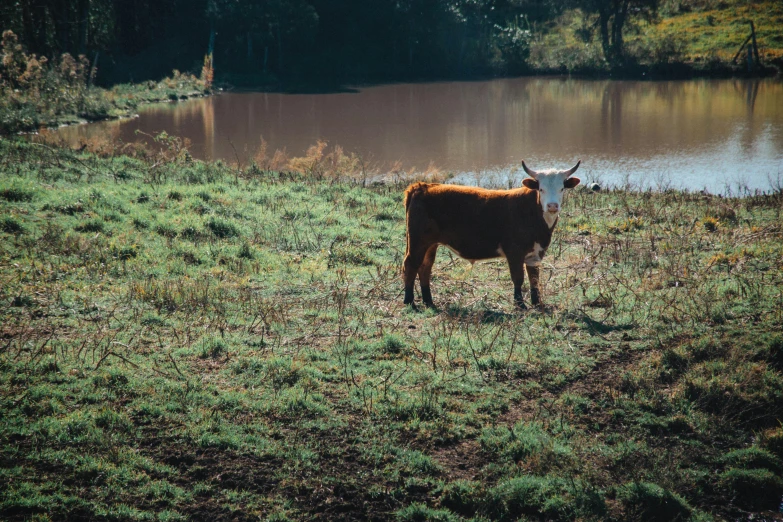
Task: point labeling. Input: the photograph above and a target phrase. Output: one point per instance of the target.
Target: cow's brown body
(476, 224)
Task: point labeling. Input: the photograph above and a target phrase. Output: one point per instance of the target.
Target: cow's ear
(571, 182)
(530, 183)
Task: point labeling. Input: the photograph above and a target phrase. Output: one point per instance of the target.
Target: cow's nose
(552, 207)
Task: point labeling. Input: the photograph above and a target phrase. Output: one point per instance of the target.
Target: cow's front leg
(535, 293)
(532, 262)
(517, 270)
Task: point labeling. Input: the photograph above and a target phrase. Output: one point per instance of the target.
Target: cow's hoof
(535, 297)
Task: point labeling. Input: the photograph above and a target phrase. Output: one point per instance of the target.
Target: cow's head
(550, 185)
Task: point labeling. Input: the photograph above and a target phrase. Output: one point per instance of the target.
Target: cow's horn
(572, 169)
(531, 173)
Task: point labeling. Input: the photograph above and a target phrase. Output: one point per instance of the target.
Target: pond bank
(22, 112)
(693, 134)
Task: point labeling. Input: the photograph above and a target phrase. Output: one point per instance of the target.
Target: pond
(719, 135)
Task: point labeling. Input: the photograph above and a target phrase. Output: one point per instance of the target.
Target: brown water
(714, 134)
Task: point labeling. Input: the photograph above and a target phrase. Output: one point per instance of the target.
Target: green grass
(180, 340)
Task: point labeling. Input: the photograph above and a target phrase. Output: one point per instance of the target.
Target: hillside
(682, 38)
(188, 340)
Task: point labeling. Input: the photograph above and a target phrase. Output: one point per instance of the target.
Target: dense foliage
(326, 40)
(188, 340)
(37, 92)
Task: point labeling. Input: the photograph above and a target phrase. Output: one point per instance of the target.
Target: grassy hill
(188, 340)
(698, 37)
(718, 28)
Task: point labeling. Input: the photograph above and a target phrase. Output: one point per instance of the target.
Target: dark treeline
(323, 40)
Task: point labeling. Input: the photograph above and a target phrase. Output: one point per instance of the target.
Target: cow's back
(472, 221)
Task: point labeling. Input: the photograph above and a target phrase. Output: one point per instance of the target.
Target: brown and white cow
(477, 223)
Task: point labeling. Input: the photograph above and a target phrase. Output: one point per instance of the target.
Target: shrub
(245, 252)
(392, 345)
(36, 91)
(753, 489)
(418, 512)
(22, 301)
(350, 255)
(753, 457)
(192, 233)
(773, 441)
(68, 209)
(166, 231)
(222, 229)
(521, 442)
(112, 379)
(775, 351)
(16, 195)
(651, 502)
(212, 347)
(11, 226)
(710, 224)
(462, 497)
(90, 226)
(140, 224)
(125, 253)
(545, 497)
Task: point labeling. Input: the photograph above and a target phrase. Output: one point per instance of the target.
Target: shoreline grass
(189, 340)
(27, 113)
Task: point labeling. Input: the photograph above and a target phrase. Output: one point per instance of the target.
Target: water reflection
(695, 133)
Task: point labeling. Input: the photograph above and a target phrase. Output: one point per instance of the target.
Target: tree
(243, 26)
(612, 18)
(53, 27)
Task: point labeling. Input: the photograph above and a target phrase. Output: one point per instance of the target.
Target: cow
(477, 224)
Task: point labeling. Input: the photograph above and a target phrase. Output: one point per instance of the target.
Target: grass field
(187, 340)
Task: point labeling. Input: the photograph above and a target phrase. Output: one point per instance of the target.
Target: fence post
(755, 45)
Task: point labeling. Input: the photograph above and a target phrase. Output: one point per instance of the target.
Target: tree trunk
(603, 23)
(84, 26)
(30, 32)
(93, 70)
(618, 23)
(279, 49)
(410, 44)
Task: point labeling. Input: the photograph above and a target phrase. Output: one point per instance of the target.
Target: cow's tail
(413, 190)
(416, 189)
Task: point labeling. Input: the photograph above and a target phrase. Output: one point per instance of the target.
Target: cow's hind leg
(517, 270)
(425, 272)
(414, 257)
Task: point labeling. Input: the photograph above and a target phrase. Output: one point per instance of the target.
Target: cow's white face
(551, 185)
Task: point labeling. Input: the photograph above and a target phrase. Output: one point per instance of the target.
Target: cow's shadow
(484, 316)
(603, 328)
